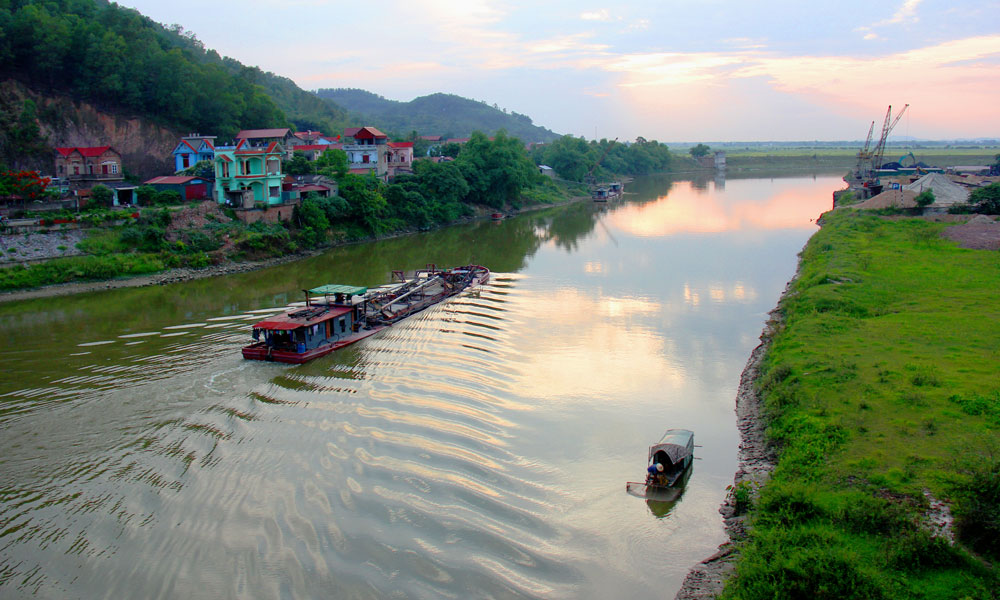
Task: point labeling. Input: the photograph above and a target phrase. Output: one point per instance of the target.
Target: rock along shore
(756, 461)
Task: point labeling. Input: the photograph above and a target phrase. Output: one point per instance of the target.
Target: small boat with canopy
(669, 460)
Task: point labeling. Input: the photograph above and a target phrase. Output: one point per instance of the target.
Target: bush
(977, 506)
(168, 198)
(986, 200)
(925, 198)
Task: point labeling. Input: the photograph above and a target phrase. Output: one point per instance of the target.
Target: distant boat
(669, 458)
(497, 216)
(339, 315)
(608, 191)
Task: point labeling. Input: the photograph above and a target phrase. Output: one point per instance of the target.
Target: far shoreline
(228, 268)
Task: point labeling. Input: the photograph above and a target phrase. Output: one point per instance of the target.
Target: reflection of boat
(662, 500)
(338, 315)
(669, 460)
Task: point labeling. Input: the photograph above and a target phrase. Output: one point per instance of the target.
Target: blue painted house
(192, 149)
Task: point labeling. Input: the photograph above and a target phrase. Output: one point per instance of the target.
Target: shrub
(925, 198)
(977, 506)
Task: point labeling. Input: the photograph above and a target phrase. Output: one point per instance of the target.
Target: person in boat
(654, 474)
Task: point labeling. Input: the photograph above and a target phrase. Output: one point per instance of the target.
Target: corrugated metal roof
(171, 179)
(335, 288)
(262, 133)
(287, 321)
(90, 151)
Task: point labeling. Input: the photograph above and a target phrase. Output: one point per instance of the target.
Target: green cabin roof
(333, 288)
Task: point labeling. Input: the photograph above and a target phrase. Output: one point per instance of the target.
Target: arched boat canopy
(676, 444)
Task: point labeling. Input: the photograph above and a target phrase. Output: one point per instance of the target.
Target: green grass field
(883, 383)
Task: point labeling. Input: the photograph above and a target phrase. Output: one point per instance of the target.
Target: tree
(570, 157)
(699, 150)
(145, 194)
(995, 167)
(451, 149)
(496, 170)
(299, 165)
(203, 169)
(925, 198)
(102, 194)
(332, 163)
(986, 200)
(364, 197)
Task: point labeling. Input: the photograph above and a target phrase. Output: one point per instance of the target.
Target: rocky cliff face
(61, 121)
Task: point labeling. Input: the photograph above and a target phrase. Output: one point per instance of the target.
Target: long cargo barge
(337, 315)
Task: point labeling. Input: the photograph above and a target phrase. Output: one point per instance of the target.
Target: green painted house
(247, 175)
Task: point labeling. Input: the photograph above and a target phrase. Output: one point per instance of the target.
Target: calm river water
(479, 449)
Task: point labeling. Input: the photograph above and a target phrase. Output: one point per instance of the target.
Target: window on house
(187, 161)
(114, 168)
(365, 159)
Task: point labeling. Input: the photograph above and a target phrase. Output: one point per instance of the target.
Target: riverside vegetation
(489, 173)
(880, 392)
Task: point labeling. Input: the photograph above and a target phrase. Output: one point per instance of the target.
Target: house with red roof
(188, 186)
(399, 158)
(310, 138)
(192, 149)
(366, 149)
(93, 164)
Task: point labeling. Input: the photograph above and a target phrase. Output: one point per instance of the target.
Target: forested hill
(446, 115)
(124, 63)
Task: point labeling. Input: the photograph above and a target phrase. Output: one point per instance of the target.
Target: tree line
(573, 158)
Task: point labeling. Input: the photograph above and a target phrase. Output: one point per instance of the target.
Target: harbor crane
(870, 160)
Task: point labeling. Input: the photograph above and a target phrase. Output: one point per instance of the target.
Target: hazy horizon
(771, 71)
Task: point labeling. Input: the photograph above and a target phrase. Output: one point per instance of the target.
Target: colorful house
(91, 164)
(399, 158)
(192, 149)
(366, 149)
(246, 175)
(259, 137)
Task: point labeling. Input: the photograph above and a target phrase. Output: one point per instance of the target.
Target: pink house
(399, 158)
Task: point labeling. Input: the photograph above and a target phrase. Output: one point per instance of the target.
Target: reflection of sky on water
(746, 205)
(663, 301)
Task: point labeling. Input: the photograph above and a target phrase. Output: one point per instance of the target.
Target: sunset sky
(673, 70)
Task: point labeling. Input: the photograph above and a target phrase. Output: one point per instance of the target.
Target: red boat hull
(260, 351)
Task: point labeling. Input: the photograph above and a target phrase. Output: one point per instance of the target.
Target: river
(478, 449)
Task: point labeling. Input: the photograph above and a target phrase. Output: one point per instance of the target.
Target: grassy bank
(882, 387)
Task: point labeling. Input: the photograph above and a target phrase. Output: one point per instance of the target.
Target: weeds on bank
(881, 384)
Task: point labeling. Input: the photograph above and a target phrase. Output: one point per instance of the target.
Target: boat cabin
(674, 451)
(321, 321)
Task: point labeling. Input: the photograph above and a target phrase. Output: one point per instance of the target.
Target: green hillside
(446, 115)
(125, 63)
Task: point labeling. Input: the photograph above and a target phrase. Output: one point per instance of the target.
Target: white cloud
(596, 15)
